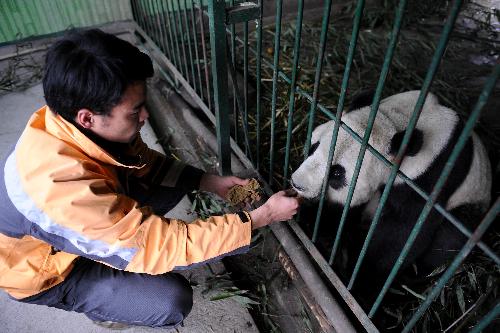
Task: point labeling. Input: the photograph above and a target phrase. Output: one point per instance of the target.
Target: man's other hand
(220, 185)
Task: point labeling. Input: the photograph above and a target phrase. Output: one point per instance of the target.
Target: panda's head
(386, 137)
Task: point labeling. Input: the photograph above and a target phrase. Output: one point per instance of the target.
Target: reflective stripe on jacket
(62, 198)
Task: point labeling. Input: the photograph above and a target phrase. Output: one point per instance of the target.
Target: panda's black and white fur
(466, 194)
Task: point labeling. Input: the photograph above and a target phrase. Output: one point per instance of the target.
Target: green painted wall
(25, 18)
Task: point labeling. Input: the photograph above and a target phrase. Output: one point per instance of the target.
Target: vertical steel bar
(340, 107)
(138, 14)
(150, 11)
(239, 103)
(205, 61)
(291, 102)
(462, 140)
(277, 34)
(461, 256)
(376, 102)
(319, 65)
(197, 55)
(188, 34)
(245, 84)
(156, 25)
(217, 18)
(259, 84)
(182, 39)
(490, 316)
(173, 24)
(233, 60)
(164, 28)
(147, 26)
(170, 41)
(161, 42)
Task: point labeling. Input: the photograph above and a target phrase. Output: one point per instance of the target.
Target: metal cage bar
(216, 12)
(291, 102)
(259, 84)
(196, 52)
(275, 88)
(189, 42)
(327, 7)
(340, 107)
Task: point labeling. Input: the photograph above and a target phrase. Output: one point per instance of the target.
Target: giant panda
(466, 194)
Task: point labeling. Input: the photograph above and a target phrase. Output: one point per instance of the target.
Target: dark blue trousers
(103, 293)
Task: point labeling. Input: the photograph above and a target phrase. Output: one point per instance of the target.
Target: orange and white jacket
(63, 196)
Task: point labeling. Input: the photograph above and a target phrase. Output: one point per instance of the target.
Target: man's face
(125, 120)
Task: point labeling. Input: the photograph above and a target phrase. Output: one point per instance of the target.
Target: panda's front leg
(390, 236)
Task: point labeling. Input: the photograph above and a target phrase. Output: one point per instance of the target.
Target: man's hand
(220, 185)
(279, 207)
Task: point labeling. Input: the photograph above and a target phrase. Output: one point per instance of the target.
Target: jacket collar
(92, 145)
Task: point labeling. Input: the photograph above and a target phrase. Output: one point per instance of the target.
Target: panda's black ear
(362, 99)
(414, 146)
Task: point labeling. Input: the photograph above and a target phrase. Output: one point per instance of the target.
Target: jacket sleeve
(163, 170)
(76, 209)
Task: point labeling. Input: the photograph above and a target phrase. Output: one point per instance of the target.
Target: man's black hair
(91, 70)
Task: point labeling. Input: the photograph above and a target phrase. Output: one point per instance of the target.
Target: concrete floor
(207, 316)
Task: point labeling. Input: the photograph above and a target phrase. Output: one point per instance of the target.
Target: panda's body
(466, 194)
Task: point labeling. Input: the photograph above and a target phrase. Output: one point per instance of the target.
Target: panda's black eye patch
(336, 178)
(313, 148)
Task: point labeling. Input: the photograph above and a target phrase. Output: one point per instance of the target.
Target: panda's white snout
(296, 186)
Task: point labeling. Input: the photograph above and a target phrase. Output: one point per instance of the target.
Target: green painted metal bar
(240, 106)
(178, 43)
(160, 28)
(149, 24)
(170, 40)
(173, 25)
(317, 76)
(183, 40)
(168, 43)
(233, 60)
(196, 53)
(139, 16)
(461, 256)
(216, 14)
(490, 316)
(150, 14)
(277, 35)
(374, 109)
(138, 13)
(259, 83)
(204, 49)
(462, 140)
(343, 90)
(248, 152)
(293, 84)
(412, 123)
(188, 40)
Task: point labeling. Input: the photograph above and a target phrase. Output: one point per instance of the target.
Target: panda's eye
(337, 176)
(313, 148)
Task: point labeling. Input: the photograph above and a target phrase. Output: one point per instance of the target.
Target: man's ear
(85, 118)
(414, 146)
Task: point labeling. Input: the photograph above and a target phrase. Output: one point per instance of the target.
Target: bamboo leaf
(414, 293)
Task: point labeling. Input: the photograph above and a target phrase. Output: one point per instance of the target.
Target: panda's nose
(297, 187)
